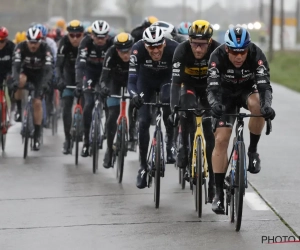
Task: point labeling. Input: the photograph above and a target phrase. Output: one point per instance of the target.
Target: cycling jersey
(137, 33)
(90, 58)
(52, 44)
(224, 77)
(6, 55)
(115, 70)
(36, 66)
(144, 73)
(66, 58)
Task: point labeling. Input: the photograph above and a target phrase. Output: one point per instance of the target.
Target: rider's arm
(177, 74)
(214, 79)
(17, 61)
(60, 61)
(52, 44)
(81, 60)
(262, 77)
(133, 71)
(108, 64)
(48, 66)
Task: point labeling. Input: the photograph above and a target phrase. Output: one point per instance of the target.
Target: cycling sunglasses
(236, 53)
(196, 45)
(153, 47)
(3, 41)
(73, 35)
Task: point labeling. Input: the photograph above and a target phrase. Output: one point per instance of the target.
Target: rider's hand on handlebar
(217, 110)
(173, 119)
(78, 90)
(104, 91)
(137, 101)
(268, 113)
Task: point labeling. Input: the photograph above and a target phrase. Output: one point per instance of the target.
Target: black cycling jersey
(143, 71)
(66, 58)
(115, 70)
(223, 74)
(137, 33)
(33, 64)
(6, 55)
(90, 57)
(179, 38)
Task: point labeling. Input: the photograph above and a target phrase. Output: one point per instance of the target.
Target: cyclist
(169, 31)
(6, 55)
(33, 62)
(114, 76)
(51, 43)
(137, 32)
(20, 37)
(189, 84)
(150, 68)
(183, 29)
(91, 53)
(238, 76)
(65, 70)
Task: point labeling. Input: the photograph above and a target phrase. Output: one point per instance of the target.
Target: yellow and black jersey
(189, 70)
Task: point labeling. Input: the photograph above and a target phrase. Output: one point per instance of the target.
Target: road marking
(255, 202)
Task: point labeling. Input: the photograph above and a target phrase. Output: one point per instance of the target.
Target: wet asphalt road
(46, 202)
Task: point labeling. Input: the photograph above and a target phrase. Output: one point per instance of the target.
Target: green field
(285, 69)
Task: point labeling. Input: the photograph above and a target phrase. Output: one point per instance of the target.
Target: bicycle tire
(26, 137)
(157, 169)
(53, 122)
(122, 151)
(77, 131)
(240, 181)
(182, 175)
(199, 176)
(1, 134)
(95, 144)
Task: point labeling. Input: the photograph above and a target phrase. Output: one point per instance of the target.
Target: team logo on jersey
(176, 65)
(132, 60)
(260, 62)
(135, 52)
(213, 64)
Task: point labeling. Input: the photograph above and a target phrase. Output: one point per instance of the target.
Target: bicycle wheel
(122, 151)
(199, 176)
(26, 133)
(54, 122)
(1, 134)
(95, 144)
(157, 169)
(240, 182)
(77, 134)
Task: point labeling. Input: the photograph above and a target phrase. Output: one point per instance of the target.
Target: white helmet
(153, 35)
(34, 34)
(169, 29)
(100, 28)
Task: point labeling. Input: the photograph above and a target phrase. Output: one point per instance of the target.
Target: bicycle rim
(53, 122)
(157, 169)
(26, 132)
(77, 131)
(121, 153)
(95, 145)
(3, 141)
(199, 175)
(240, 190)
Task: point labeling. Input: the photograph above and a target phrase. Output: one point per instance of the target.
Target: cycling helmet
(60, 23)
(153, 35)
(42, 28)
(183, 28)
(20, 37)
(3, 33)
(169, 29)
(89, 30)
(123, 41)
(75, 26)
(237, 38)
(200, 29)
(149, 20)
(34, 34)
(100, 28)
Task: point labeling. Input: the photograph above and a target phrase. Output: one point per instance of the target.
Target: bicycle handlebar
(156, 104)
(244, 115)
(70, 87)
(120, 97)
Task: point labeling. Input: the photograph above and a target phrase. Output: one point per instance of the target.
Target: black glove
(217, 110)
(46, 88)
(137, 101)
(268, 113)
(14, 86)
(60, 85)
(104, 92)
(78, 90)
(173, 119)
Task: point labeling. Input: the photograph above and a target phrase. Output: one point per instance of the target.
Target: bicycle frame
(96, 111)
(4, 110)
